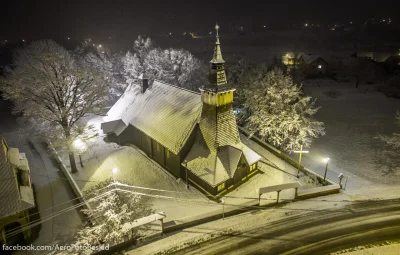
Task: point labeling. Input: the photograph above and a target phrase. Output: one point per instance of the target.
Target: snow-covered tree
(278, 112)
(111, 209)
(178, 67)
(133, 61)
(108, 63)
(49, 84)
(394, 140)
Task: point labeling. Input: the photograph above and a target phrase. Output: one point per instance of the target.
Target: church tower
(218, 122)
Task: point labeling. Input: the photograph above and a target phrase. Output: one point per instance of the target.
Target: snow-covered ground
(136, 169)
(352, 120)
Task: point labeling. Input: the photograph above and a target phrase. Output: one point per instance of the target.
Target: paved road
(51, 187)
(313, 233)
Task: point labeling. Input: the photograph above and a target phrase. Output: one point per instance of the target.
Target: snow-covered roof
(164, 112)
(217, 166)
(10, 200)
(218, 126)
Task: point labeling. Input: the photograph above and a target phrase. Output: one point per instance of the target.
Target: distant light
(265, 26)
(351, 22)
(23, 40)
(94, 44)
(326, 160)
(109, 37)
(99, 45)
(170, 33)
(210, 33)
(68, 38)
(319, 66)
(306, 24)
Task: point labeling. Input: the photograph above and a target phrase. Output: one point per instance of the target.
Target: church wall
(172, 163)
(158, 152)
(186, 148)
(241, 171)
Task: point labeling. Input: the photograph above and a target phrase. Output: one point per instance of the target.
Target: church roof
(217, 166)
(218, 126)
(164, 112)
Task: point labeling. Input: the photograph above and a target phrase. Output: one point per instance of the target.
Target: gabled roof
(10, 200)
(164, 112)
(309, 59)
(217, 166)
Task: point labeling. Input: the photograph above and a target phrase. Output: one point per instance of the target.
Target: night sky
(79, 19)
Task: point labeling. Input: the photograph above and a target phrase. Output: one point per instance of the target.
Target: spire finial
(216, 29)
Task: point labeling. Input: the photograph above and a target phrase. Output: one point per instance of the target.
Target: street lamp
(80, 147)
(326, 160)
(114, 172)
(300, 153)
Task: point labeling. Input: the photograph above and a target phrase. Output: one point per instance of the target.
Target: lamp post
(326, 160)
(187, 183)
(300, 153)
(80, 147)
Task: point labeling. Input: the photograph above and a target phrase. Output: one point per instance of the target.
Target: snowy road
(320, 232)
(53, 192)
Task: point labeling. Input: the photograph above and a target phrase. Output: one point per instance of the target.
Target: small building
(314, 65)
(192, 135)
(16, 195)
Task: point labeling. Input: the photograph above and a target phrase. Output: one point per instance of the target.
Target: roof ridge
(169, 84)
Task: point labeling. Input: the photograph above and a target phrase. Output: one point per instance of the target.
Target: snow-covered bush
(278, 112)
(111, 209)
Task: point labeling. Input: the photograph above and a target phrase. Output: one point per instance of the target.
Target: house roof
(10, 200)
(308, 59)
(164, 112)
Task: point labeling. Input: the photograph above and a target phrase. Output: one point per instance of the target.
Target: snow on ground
(234, 224)
(137, 169)
(352, 120)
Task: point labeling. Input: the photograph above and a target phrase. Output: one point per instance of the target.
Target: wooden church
(192, 135)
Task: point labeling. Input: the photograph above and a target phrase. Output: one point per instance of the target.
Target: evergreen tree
(278, 112)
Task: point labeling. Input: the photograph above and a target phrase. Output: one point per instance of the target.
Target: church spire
(217, 57)
(217, 71)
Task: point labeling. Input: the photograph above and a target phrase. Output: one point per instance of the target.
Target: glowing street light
(326, 160)
(300, 153)
(80, 146)
(114, 172)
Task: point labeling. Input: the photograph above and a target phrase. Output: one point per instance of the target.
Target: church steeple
(217, 70)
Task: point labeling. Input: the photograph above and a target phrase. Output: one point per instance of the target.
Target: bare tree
(49, 84)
